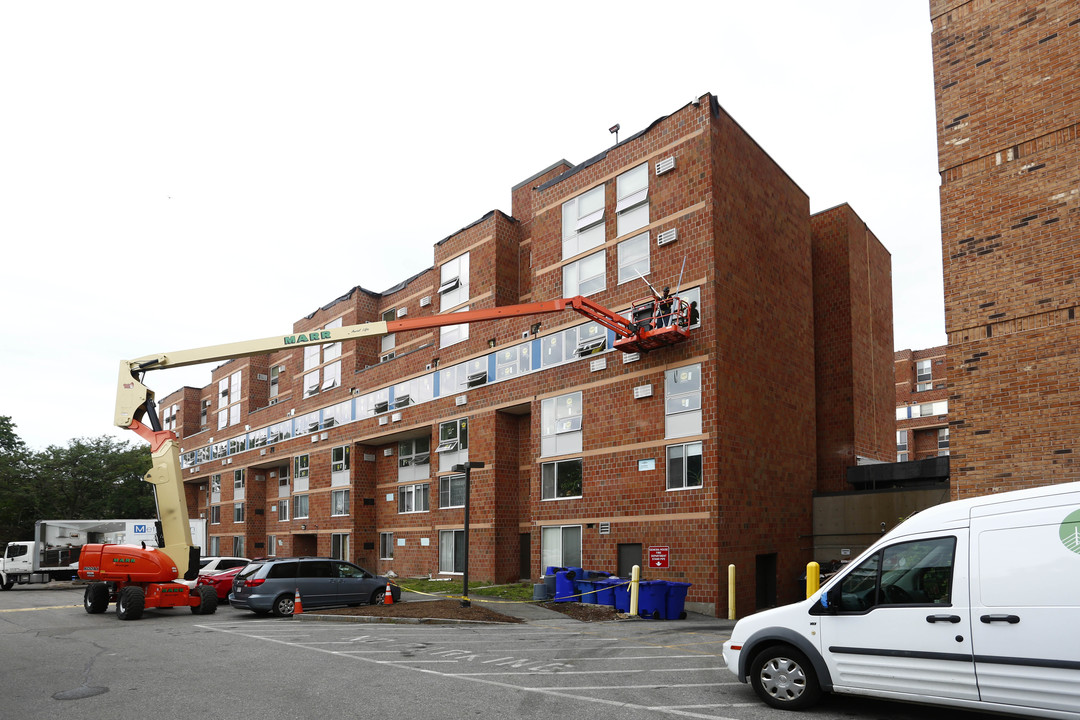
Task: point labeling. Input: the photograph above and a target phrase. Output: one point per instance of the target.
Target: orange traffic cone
(298, 607)
(388, 597)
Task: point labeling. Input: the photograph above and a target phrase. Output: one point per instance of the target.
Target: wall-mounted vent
(461, 400)
(605, 528)
(425, 301)
(383, 420)
(663, 166)
(668, 236)
(402, 311)
(387, 452)
(262, 376)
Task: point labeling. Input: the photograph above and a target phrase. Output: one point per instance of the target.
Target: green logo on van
(1070, 531)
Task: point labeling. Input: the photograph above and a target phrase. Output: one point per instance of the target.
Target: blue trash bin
(676, 600)
(564, 586)
(587, 591)
(622, 596)
(652, 599)
(605, 590)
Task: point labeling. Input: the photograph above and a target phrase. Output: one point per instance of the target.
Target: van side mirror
(828, 602)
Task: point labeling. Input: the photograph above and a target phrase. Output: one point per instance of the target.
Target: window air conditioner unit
(663, 166)
(668, 236)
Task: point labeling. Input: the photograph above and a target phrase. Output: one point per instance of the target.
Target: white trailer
(53, 554)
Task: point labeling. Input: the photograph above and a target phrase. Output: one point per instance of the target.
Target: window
(451, 551)
(923, 376)
(238, 547)
(943, 441)
(634, 258)
(215, 488)
(339, 502)
(223, 393)
(339, 458)
(452, 491)
(339, 546)
(454, 282)
(215, 514)
(453, 446)
(414, 459)
(312, 357)
(170, 416)
(215, 545)
(275, 380)
(585, 276)
(331, 375)
(300, 506)
(332, 351)
(386, 546)
(684, 466)
(583, 222)
(283, 510)
(901, 446)
(311, 384)
(238, 513)
(204, 413)
(560, 546)
(238, 484)
(561, 479)
(453, 334)
(682, 405)
(300, 466)
(910, 573)
(632, 194)
(413, 498)
(271, 545)
(560, 420)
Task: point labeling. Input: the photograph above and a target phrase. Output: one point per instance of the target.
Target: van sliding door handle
(1011, 619)
(942, 618)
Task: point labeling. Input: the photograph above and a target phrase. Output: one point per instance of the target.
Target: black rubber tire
(208, 600)
(378, 597)
(8, 585)
(96, 598)
(130, 603)
(784, 678)
(283, 605)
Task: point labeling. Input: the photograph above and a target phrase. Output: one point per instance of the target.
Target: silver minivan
(270, 585)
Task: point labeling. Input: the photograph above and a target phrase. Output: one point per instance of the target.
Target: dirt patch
(438, 609)
(584, 612)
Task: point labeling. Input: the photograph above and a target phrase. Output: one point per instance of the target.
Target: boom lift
(140, 577)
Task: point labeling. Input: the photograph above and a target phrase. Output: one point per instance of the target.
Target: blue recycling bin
(676, 600)
(622, 596)
(586, 590)
(605, 590)
(564, 586)
(652, 599)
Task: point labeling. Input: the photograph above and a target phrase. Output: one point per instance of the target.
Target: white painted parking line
(569, 694)
(650, 671)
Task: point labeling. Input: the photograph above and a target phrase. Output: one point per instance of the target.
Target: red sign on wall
(658, 556)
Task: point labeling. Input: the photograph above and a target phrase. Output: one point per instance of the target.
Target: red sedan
(222, 582)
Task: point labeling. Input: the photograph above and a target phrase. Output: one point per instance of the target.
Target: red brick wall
(1008, 151)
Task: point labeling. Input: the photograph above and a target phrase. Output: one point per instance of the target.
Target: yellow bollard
(813, 578)
(635, 578)
(731, 592)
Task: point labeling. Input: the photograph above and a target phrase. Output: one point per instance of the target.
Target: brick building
(1008, 121)
(711, 448)
(922, 404)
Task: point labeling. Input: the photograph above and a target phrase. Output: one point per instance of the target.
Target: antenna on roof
(614, 130)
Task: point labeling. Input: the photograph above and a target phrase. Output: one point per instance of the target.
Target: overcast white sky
(181, 174)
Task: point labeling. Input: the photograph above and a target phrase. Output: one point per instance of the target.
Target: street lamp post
(466, 468)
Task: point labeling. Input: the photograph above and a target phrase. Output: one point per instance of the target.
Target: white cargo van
(973, 604)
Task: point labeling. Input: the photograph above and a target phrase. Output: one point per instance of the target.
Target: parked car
(270, 585)
(213, 564)
(222, 582)
(972, 604)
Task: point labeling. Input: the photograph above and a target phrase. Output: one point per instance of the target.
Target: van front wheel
(784, 678)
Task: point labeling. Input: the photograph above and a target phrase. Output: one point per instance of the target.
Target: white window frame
(682, 409)
(215, 514)
(340, 458)
(238, 546)
(339, 500)
(561, 425)
(446, 490)
(635, 258)
(339, 546)
(299, 500)
(412, 497)
(271, 545)
(454, 334)
(386, 546)
(215, 488)
(549, 479)
(632, 200)
(414, 464)
(683, 480)
(596, 281)
(448, 540)
(454, 282)
(238, 512)
(583, 222)
(284, 506)
(453, 450)
(943, 441)
(553, 549)
(238, 484)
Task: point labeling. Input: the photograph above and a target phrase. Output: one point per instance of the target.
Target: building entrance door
(629, 556)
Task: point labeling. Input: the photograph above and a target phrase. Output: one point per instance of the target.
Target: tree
(88, 479)
(15, 492)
